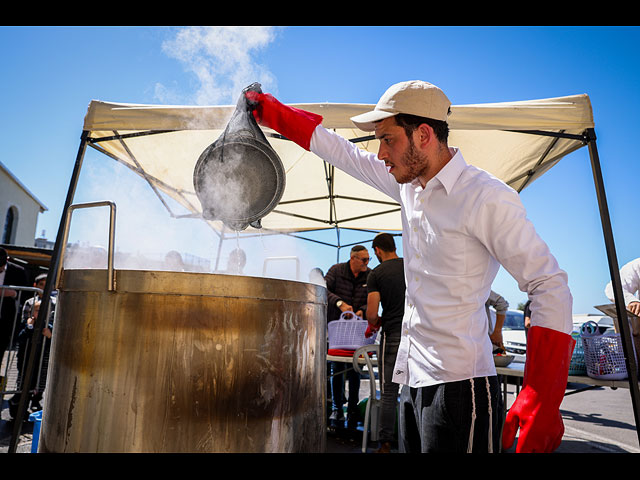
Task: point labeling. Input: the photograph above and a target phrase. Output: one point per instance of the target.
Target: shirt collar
(449, 174)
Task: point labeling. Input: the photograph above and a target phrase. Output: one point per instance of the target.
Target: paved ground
(578, 438)
(6, 432)
(342, 442)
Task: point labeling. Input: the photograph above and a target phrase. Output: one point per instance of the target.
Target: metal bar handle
(111, 284)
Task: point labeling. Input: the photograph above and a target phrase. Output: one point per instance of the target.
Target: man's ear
(425, 135)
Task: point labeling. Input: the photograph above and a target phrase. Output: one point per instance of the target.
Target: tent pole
(621, 312)
(43, 313)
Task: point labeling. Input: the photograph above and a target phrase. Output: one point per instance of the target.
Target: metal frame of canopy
(333, 220)
(587, 138)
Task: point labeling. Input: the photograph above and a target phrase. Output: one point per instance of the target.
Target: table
(336, 358)
(517, 370)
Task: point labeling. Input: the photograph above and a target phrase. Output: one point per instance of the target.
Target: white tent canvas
(163, 143)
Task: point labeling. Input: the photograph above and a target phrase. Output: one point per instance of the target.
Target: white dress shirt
(456, 233)
(630, 279)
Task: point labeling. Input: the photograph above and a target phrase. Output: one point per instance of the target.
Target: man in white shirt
(459, 225)
(630, 279)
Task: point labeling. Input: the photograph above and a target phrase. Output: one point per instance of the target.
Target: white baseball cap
(413, 97)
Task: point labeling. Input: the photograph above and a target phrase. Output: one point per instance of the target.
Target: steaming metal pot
(239, 178)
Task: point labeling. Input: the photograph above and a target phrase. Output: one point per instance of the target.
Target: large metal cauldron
(186, 362)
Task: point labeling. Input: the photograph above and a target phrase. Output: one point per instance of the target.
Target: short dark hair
(411, 122)
(385, 242)
(358, 248)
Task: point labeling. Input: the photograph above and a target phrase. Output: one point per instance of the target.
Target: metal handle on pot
(111, 284)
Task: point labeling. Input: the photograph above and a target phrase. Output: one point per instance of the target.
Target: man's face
(398, 151)
(359, 261)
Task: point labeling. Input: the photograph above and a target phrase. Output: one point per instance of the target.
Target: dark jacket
(15, 276)
(342, 285)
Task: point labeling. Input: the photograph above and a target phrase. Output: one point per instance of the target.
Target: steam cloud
(222, 60)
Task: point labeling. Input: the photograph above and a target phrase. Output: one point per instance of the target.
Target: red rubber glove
(536, 410)
(295, 124)
(370, 331)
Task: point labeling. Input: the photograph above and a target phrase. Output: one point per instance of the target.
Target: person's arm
(501, 224)
(305, 129)
(496, 335)
(332, 298)
(630, 280)
(8, 292)
(500, 304)
(373, 304)
(360, 164)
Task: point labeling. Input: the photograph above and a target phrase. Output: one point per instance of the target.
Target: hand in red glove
(295, 124)
(536, 410)
(370, 331)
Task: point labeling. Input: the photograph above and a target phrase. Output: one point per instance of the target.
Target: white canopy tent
(163, 143)
(515, 141)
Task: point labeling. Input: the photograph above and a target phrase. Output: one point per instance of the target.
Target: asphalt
(337, 441)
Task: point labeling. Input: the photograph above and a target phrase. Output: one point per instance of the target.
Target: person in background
(630, 280)
(11, 274)
(386, 287)
(24, 348)
(346, 292)
(501, 306)
(29, 316)
(527, 317)
(454, 242)
(39, 282)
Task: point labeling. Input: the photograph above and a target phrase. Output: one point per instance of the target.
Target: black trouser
(452, 417)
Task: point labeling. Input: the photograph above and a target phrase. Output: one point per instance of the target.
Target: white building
(19, 210)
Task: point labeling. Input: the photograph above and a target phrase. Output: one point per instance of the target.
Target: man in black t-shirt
(386, 287)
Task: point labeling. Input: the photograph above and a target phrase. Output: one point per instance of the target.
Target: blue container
(37, 419)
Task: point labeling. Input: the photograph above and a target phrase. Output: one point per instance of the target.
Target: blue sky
(50, 74)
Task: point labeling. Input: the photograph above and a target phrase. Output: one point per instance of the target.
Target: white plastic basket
(577, 365)
(603, 353)
(348, 333)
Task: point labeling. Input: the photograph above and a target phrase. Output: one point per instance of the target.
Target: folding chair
(372, 410)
